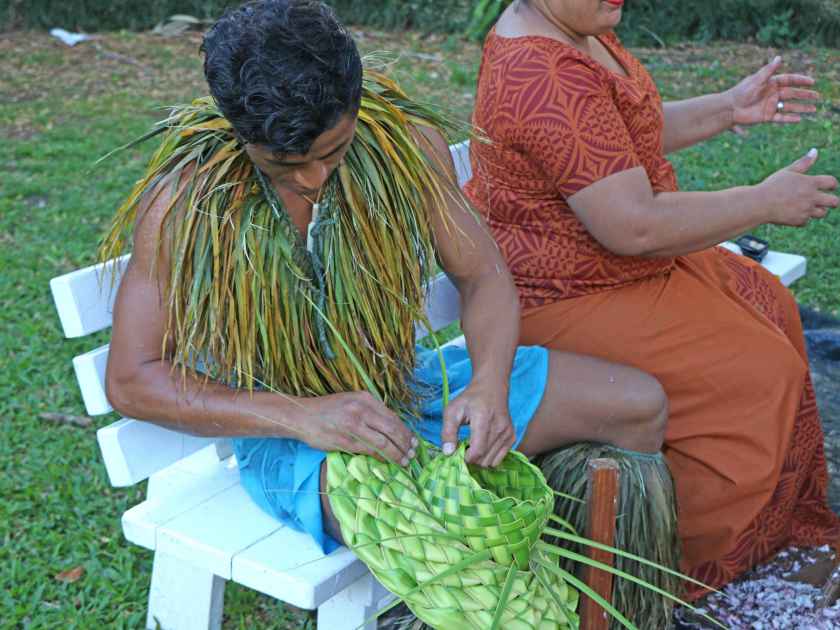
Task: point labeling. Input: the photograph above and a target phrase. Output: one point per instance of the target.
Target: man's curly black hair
(282, 72)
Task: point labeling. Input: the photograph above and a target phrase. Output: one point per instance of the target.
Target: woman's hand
(794, 198)
(356, 422)
(756, 99)
(491, 429)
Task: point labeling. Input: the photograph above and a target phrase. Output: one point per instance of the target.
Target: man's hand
(356, 422)
(489, 318)
(491, 429)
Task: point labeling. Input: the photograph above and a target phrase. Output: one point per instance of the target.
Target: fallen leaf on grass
(66, 418)
(71, 575)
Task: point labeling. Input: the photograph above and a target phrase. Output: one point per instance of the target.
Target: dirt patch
(36, 66)
(18, 131)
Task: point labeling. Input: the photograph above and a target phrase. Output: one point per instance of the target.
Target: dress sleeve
(568, 123)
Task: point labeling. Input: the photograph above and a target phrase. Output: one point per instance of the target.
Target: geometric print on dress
(557, 122)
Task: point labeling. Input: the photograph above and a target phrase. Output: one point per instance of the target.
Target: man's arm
(489, 319)
(142, 384)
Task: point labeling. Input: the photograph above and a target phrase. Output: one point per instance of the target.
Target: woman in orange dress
(612, 260)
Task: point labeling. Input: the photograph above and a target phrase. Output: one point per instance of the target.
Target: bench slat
(289, 565)
(443, 304)
(189, 514)
(85, 299)
(133, 449)
(461, 157)
(212, 533)
(174, 491)
(788, 267)
(90, 374)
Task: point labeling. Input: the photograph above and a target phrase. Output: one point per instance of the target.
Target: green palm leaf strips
(459, 544)
(244, 293)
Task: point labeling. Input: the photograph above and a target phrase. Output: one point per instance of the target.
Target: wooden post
(602, 504)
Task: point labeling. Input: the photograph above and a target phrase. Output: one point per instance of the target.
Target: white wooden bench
(197, 518)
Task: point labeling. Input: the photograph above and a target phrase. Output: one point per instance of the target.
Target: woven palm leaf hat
(460, 545)
(468, 547)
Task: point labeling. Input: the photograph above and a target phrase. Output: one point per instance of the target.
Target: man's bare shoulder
(154, 211)
(432, 141)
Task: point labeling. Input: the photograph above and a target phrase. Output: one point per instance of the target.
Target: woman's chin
(611, 13)
(613, 22)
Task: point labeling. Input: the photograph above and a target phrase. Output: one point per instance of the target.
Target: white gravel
(764, 601)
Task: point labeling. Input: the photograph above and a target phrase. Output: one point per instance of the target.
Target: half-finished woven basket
(459, 544)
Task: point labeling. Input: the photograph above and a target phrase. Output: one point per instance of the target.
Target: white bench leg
(355, 607)
(183, 597)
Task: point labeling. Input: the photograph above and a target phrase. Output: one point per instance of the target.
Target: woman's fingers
(791, 113)
(824, 200)
(506, 448)
(798, 94)
(786, 118)
(798, 108)
(767, 72)
(826, 182)
(370, 427)
(789, 80)
(499, 439)
(803, 164)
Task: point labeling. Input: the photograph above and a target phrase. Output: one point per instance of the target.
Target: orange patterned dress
(723, 336)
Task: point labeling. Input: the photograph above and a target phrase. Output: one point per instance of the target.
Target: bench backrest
(133, 450)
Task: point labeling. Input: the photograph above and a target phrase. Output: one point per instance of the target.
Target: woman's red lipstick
(615, 3)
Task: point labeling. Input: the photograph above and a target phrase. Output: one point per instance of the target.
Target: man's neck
(298, 208)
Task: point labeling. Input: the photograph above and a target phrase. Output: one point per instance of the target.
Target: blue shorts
(283, 475)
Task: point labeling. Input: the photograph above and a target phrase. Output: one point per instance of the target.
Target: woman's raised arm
(760, 98)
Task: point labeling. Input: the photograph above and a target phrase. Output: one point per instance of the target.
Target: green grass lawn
(60, 109)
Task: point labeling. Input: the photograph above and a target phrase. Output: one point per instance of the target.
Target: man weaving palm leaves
(284, 236)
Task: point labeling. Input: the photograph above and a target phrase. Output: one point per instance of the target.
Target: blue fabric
(282, 476)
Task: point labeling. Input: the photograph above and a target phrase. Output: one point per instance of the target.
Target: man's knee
(648, 408)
